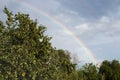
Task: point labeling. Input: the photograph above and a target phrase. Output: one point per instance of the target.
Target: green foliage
(26, 52)
(88, 72)
(110, 70)
(107, 71)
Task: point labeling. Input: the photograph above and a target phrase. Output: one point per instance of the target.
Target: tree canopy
(26, 52)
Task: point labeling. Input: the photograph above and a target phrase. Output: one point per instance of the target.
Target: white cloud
(85, 27)
(104, 19)
(102, 31)
(100, 24)
(104, 40)
(82, 26)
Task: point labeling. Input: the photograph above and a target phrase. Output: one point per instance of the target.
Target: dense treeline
(106, 71)
(26, 53)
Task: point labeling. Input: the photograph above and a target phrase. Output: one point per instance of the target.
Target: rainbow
(55, 20)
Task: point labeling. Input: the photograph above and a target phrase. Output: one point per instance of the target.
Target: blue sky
(96, 22)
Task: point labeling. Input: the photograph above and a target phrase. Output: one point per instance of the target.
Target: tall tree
(88, 72)
(26, 52)
(110, 70)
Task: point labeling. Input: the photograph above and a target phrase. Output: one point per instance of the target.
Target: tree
(23, 54)
(110, 70)
(115, 65)
(26, 52)
(88, 72)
